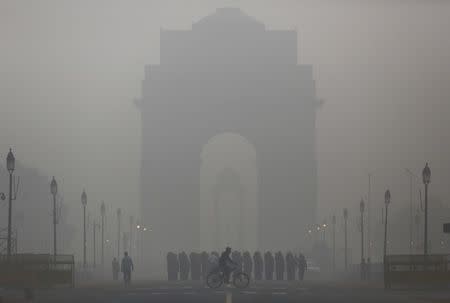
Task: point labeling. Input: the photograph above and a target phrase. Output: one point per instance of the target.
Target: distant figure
(184, 266)
(363, 269)
(302, 266)
(258, 265)
(247, 263)
(213, 261)
(237, 259)
(172, 266)
(195, 266)
(291, 266)
(268, 265)
(226, 264)
(127, 267)
(115, 269)
(279, 261)
(204, 264)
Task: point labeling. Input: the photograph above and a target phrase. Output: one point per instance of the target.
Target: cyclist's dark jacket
(224, 259)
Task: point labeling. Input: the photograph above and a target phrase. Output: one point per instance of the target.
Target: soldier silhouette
(302, 266)
(268, 265)
(258, 265)
(291, 265)
(247, 263)
(279, 262)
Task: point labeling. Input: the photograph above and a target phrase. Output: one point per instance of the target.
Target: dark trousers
(127, 277)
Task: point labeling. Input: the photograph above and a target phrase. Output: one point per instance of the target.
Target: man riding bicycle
(226, 265)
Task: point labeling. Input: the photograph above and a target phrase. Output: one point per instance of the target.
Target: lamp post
(387, 201)
(84, 203)
(417, 221)
(361, 209)
(95, 225)
(138, 242)
(345, 238)
(334, 242)
(324, 226)
(119, 213)
(10, 165)
(54, 191)
(426, 177)
(103, 212)
(131, 234)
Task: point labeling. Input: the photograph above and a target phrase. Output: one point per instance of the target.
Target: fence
(36, 270)
(416, 270)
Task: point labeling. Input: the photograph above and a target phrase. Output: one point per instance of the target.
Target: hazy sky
(69, 71)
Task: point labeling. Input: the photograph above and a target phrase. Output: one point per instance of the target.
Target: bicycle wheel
(214, 280)
(241, 280)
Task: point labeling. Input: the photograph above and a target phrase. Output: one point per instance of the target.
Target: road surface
(262, 292)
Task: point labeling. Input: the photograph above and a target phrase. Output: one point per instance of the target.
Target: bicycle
(216, 278)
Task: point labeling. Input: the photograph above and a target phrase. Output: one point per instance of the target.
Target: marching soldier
(279, 261)
(204, 262)
(184, 266)
(195, 266)
(269, 264)
(290, 266)
(248, 265)
(302, 266)
(258, 264)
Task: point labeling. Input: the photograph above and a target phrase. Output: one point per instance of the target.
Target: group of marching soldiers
(196, 266)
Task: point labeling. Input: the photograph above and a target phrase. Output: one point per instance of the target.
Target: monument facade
(229, 74)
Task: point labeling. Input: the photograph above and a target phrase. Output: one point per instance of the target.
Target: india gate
(228, 75)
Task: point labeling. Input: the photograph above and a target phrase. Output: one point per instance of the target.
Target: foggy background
(69, 71)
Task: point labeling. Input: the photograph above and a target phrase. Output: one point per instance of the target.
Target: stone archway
(228, 194)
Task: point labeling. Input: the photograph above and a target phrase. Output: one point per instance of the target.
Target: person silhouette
(127, 267)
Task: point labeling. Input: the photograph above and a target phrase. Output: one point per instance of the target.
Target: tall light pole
(138, 241)
(84, 203)
(417, 221)
(103, 212)
(387, 201)
(131, 234)
(10, 165)
(345, 238)
(369, 241)
(426, 177)
(324, 226)
(94, 227)
(361, 209)
(54, 191)
(334, 242)
(119, 213)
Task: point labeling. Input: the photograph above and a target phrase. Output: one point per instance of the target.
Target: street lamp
(84, 203)
(334, 242)
(345, 237)
(10, 165)
(54, 191)
(387, 201)
(361, 209)
(119, 213)
(95, 226)
(426, 177)
(103, 212)
(131, 234)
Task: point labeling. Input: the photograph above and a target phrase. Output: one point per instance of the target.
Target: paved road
(260, 293)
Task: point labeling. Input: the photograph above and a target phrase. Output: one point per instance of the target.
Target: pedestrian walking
(127, 267)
